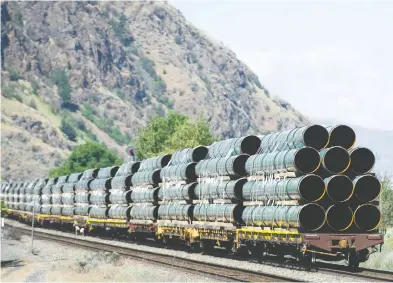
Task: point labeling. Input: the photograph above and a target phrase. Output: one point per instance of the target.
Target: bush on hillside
(168, 134)
(86, 156)
(68, 130)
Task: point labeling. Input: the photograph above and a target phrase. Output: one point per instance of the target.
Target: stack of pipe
(46, 197)
(57, 194)
(68, 195)
(82, 188)
(120, 191)
(100, 191)
(149, 171)
(177, 189)
(34, 198)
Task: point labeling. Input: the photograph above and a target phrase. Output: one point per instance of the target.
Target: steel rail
(206, 269)
(360, 272)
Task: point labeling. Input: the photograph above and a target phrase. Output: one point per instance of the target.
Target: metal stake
(32, 226)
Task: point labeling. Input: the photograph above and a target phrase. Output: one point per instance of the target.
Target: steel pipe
(341, 135)
(68, 198)
(151, 164)
(107, 172)
(148, 212)
(362, 160)
(310, 217)
(189, 155)
(230, 213)
(182, 212)
(74, 178)
(339, 188)
(98, 212)
(82, 210)
(179, 172)
(56, 210)
(122, 182)
(303, 160)
(181, 192)
(229, 166)
(367, 188)
(339, 217)
(129, 168)
(68, 210)
(68, 188)
(119, 212)
(98, 198)
(220, 190)
(315, 136)
(82, 185)
(335, 160)
(244, 145)
(146, 178)
(120, 196)
(367, 217)
(144, 195)
(100, 184)
(90, 174)
(310, 188)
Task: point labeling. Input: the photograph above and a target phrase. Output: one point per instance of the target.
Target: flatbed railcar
(254, 241)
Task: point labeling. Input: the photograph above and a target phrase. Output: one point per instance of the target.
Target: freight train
(306, 193)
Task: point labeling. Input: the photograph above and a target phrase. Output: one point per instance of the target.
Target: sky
(329, 59)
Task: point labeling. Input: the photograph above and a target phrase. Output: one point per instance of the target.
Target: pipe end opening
(316, 136)
(307, 160)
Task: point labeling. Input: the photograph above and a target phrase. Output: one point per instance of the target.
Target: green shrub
(14, 75)
(148, 66)
(88, 112)
(178, 40)
(120, 94)
(68, 130)
(60, 78)
(86, 156)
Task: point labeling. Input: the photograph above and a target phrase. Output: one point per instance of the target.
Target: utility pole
(32, 226)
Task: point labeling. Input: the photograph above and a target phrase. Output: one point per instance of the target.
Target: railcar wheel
(207, 246)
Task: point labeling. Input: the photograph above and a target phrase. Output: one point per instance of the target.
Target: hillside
(105, 68)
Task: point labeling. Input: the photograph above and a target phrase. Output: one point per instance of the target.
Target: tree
(68, 130)
(171, 133)
(86, 156)
(387, 202)
(60, 78)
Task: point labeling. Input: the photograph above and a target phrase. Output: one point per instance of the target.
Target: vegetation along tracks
(207, 269)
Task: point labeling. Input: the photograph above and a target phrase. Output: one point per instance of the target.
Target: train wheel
(260, 252)
(352, 260)
(207, 246)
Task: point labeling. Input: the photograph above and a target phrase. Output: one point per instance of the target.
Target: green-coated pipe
(310, 217)
(335, 160)
(362, 160)
(339, 217)
(300, 160)
(339, 188)
(236, 146)
(189, 155)
(367, 217)
(341, 135)
(310, 188)
(315, 136)
(367, 188)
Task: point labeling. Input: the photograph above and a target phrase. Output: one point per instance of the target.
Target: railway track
(212, 270)
(220, 272)
(365, 273)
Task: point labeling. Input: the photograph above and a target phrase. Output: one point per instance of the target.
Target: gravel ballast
(55, 262)
(52, 251)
